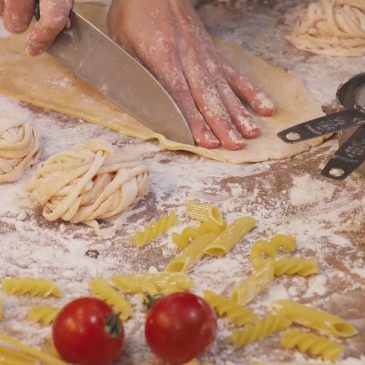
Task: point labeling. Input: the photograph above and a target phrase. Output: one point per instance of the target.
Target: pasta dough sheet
(44, 83)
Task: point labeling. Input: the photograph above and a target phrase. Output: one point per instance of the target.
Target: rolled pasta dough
(19, 149)
(43, 82)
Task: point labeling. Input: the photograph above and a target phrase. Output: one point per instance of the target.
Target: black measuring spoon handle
(348, 158)
(321, 126)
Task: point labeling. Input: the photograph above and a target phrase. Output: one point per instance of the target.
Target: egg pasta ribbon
(324, 322)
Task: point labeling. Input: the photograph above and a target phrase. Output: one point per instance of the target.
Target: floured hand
(17, 15)
(170, 39)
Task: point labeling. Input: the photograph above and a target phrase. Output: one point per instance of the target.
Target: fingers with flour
(17, 14)
(1, 7)
(54, 18)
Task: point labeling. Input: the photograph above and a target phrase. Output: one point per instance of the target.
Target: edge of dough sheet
(44, 83)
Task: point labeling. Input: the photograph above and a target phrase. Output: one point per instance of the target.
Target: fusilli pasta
(112, 297)
(295, 266)
(152, 283)
(43, 314)
(312, 344)
(155, 229)
(254, 285)
(259, 329)
(232, 234)
(203, 212)
(314, 318)
(236, 313)
(32, 286)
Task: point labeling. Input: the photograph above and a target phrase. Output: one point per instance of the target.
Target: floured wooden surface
(328, 219)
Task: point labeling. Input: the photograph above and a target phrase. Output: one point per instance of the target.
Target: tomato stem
(113, 325)
(151, 300)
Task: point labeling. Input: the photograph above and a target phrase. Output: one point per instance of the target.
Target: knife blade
(107, 67)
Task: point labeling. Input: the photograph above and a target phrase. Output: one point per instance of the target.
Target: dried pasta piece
(114, 298)
(314, 318)
(32, 286)
(197, 362)
(191, 254)
(19, 149)
(43, 314)
(331, 27)
(155, 229)
(233, 234)
(261, 251)
(312, 344)
(254, 285)
(9, 356)
(182, 239)
(152, 283)
(88, 184)
(1, 311)
(236, 313)
(261, 328)
(204, 212)
(296, 266)
(39, 355)
(284, 243)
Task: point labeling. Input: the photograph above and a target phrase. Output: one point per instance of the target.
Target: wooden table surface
(288, 196)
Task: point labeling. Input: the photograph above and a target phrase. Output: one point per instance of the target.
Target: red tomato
(87, 332)
(179, 327)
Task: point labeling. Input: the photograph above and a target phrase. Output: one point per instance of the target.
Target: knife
(107, 67)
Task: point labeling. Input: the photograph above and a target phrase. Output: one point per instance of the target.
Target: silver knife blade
(102, 63)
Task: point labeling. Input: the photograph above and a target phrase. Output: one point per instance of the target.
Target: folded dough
(19, 149)
(88, 184)
(331, 27)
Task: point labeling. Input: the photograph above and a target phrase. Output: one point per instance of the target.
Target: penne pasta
(204, 212)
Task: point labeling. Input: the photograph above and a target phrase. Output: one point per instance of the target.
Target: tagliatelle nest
(19, 149)
(331, 27)
(88, 184)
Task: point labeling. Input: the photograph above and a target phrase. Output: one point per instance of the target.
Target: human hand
(169, 38)
(18, 14)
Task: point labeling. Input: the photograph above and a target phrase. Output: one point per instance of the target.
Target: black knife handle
(348, 158)
(37, 10)
(321, 126)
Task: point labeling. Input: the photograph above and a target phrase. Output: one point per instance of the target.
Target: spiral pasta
(155, 229)
(105, 292)
(1, 311)
(312, 344)
(254, 285)
(331, 27)
(19, 149)
(88, 184)
(152, 283)
(295, 266)
(44, 315)
(32, 286)
(204, 212)
(236, 313)
(314, 318)
(259, 329)
(182, 239)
